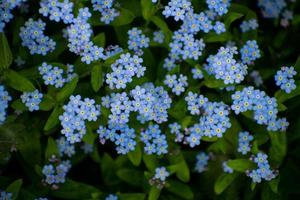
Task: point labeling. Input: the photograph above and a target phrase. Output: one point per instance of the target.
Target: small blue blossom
(244, 142)
(284, 79)
(4, 99)
(177, 9)
(220, 7)
(56, 174)
(105, 7)
(202, 159)
(158, 36)
(264, 171)
(161, 173)
(32, 100)
(250, 52)
(264, 108)
(270, 8)
(53, 75)
(64, 147)
(177, 84)
(155, 141)
(111, 197)
(5, 195)
(76, 112)
(137, 40)
(197, 73)
(219, 27)
(248, 25)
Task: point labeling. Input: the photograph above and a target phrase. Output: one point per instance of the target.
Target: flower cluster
(244, 142)
(6, 7)
(53, 75)
(202, 159)
(219, 7)
(151, 103)
(195, 102)
(177, 84)
(123, 70)
(223, 66)
(175, 128)
(4, 99)
(158, 36)
(248, 25)
(264, 107)
(33, 37)
(56, 174)
(120, 107)
(250, 52)
(161, 173)
(76, 112)
(79, 33)
(185, 46)
(155, 141)
(264, 171)
(64, 147)
(226, 168)
(137, 40)
(32, 100)
(5, 195)
(285, 79)
(177, 9)
(270, 8)
(122, 135)
(106, 9)
(256, 77)
(111, 197)
(57, 10)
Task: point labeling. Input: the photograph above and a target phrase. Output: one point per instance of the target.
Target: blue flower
(226, 168)
(244, 142)
(250, 52)
(177, 85)
(161, 173)
(4, 99)
(111, 197)
(32, 100)
(248, 25)
(105, 7)
(284, 79)
(202, 159)
(158, 37)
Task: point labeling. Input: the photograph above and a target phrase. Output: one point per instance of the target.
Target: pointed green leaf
(96, 77)
(241, 165)
(135, 156)
(223, 182)
(132, 196)
(67, 90)
(47, 103)
(53, 119)
(18, 82)
(154, 193)
(126, 17)
(5, 53)
(99, 39)
(51, 149)
(180, 189)
(148, 9)
(14, 188)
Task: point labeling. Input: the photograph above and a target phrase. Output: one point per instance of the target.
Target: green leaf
(99, 39)
(212, 82)
(180, 189)
(278, 147)
(18, 82)
(180, 166)
(89, 137)
(274, 184)
(241, 165)
(135, 156)
(214, 37)
(148, 9)
(126, 17)
(132, 196)
(231, 17)
(154, 193)
(53, 119)
(51, 149)
(47, 103)
(131, 176)
(297, 66)
(19, 105)
(75, 190)
(67, 90)
(223, 181)
(5, 53)
(150, 161)
(14, 188)
(96, 77)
